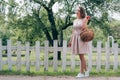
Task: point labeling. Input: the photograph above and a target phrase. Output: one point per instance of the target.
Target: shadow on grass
(51, 72)
(67, 73)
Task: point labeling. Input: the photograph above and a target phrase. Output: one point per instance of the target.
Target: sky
(116, 16)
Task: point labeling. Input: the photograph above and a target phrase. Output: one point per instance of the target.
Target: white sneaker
(87, 73)
(80, 75)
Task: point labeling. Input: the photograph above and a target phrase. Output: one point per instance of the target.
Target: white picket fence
(38, 50)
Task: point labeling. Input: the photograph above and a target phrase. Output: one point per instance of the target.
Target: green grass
(50, 71)
(94, 56)
(68, 71)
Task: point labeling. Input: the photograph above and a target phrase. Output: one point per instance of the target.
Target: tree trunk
(43, 27)
(60, 44)
(53, 25)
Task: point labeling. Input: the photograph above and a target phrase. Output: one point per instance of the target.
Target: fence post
(46, 56)
(107, 56)
(0, 54)
(55, 62)
(37, 51)
(99, 55)
(115, 56)
(9, 55)
(90, 57)
(19, 56)
(64, 55)
(27, 56)
(72, 62)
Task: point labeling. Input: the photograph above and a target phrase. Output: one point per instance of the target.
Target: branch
(66, 26)
(45, 30)
(50, 17)
(67, 20)
(52, 2)
(41, 3)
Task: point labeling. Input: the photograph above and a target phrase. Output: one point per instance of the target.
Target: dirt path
(2, 77)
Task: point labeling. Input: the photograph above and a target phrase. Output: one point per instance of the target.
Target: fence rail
(38, 56)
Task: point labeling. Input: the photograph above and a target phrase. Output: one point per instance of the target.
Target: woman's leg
(83, 63)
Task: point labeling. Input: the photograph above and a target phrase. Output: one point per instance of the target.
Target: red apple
(88, 17)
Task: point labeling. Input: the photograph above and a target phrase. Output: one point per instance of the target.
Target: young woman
(77, 45)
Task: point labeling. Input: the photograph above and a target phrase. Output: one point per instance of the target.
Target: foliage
(35, 19)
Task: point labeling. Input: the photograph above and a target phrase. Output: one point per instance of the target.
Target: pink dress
(77, 45)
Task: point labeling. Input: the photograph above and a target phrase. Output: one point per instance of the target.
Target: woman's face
(78, 14)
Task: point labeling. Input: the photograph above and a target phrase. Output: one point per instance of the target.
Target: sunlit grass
(51, 72)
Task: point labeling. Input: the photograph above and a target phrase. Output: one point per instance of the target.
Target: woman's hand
(84, 28)
(87, 18)
(69, 44)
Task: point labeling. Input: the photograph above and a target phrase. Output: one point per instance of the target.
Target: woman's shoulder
(84, 19)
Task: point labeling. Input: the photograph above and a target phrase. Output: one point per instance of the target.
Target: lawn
(68, 71)
(50, 72)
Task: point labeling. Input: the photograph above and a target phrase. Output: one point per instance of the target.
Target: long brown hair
(82, 12)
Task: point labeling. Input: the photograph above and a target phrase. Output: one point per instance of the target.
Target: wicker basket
(87, 35)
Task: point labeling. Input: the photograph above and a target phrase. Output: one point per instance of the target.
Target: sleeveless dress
(77, 45)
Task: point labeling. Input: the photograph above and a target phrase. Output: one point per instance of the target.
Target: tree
(53, 24)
